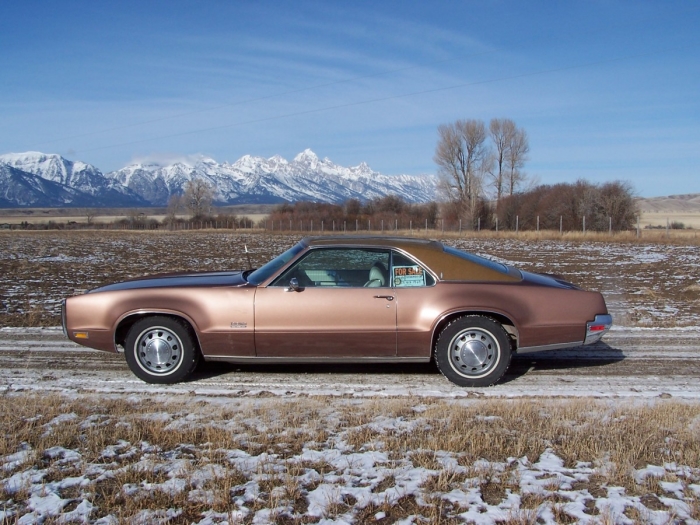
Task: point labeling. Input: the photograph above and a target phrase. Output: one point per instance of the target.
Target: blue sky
(607, 90)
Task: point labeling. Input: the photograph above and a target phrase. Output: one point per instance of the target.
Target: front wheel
(473, 351)
(161, 350)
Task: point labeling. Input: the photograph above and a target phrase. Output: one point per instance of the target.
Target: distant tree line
(389, 210)
(602, 206)
(549, 207)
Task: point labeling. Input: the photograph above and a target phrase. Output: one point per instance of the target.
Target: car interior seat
(378, 276)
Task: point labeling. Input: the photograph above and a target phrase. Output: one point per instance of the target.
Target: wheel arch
(504, 320)
(125, 323)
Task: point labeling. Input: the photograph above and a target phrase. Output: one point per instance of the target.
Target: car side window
(339, 267)
(406, 273)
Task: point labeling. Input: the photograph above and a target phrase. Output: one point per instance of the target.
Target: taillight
(597, 329)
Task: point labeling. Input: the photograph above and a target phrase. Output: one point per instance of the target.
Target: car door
(417, 302)
(341, 306)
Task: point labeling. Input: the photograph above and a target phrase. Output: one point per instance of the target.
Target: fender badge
(239, 325)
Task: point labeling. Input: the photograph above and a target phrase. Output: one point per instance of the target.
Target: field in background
(255, 212)
(656, 219)
(644, 283)
(651, 217)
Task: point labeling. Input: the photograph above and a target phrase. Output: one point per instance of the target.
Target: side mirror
(293, 285)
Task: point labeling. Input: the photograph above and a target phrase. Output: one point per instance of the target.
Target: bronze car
(340, 299)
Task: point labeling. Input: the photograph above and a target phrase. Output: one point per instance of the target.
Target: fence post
(410, 226)
(538, 223)
(460, 226)
(609, 225)
(517, 223)
(561, 224)
(584, 225)
(496, 224)
(369, 225)
(478, 224)
(382, 225)
(344, 226)
(321, 226)
(356, 224)
(426, 225)
(667, 227)
(396, 225)
(638, 231)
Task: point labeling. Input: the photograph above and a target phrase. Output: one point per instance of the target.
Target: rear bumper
(63, 318)
(597, 328)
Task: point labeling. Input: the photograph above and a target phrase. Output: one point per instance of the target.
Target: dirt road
(632, 362)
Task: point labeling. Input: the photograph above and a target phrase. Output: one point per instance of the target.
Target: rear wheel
(161, 350)
(473, 351)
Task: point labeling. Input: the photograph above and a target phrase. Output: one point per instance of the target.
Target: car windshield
(478, 260)
(264, 272)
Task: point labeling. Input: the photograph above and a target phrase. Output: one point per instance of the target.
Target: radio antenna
(250, 266)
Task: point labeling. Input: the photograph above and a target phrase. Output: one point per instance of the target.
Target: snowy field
(609, 434)
(174, 459)
(645, 284)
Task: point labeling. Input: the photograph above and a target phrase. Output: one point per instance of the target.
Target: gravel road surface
(631, 362)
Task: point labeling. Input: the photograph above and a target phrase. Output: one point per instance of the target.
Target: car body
(340, 299)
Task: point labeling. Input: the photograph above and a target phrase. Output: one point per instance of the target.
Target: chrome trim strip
(544, 348)
(313, 360)
(63, 318)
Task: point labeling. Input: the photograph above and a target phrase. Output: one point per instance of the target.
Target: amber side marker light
(80, 335)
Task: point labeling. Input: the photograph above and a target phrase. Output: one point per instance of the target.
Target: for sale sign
(405, 276)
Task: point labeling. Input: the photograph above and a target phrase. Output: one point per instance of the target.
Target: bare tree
(90, 214)
(501, 132)
(175, 205)
(516, 155)
(461, 155)
(198, 197)
(618, 204)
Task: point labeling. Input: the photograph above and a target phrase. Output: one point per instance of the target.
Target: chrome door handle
(387, 297)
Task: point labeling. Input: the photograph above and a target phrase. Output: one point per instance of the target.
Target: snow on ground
(326, 470)
(645, 284)
(62, 473)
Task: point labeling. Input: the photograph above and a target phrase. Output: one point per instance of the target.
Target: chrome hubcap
(474, 352)
(158, 350)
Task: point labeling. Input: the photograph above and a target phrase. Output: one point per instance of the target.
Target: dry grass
(128, 449)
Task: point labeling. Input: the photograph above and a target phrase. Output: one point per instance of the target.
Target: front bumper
(597, 328)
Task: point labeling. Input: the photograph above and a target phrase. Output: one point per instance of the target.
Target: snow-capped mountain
(256, 179)
(248, 180)
(19, 189)
(78, 184)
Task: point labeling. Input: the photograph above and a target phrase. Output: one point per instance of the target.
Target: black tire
(161, 350)
(473, 351)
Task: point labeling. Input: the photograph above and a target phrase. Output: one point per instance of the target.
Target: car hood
(178, 280)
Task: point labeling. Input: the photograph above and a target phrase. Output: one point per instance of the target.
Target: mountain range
(34, 179)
